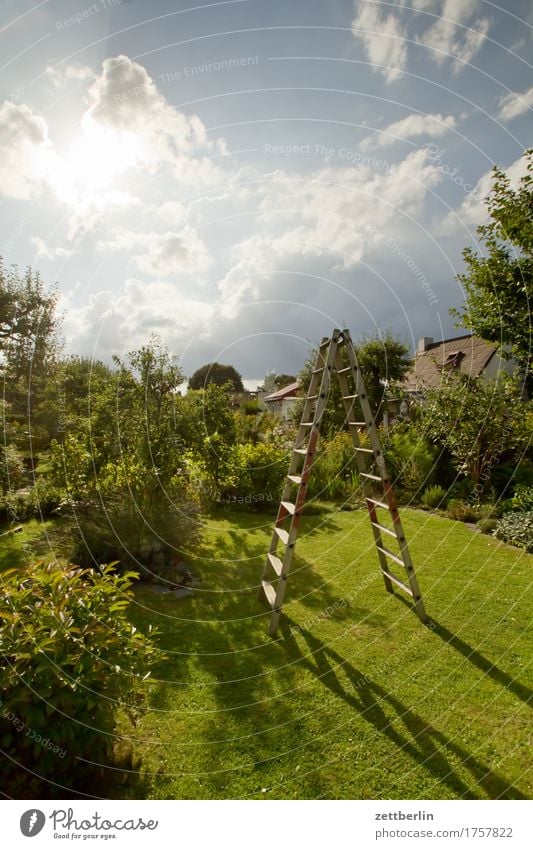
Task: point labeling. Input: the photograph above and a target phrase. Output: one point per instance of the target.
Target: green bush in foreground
(434, 496)
(516, 529)
(70, 660)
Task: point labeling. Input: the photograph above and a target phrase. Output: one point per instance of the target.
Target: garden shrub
(410, 461)
(462, 511)
(522, 498)
(70, 659)
(256, 474)
(516, 529)
(434, 496)
(487, 525)
(334, 473)
(11, 469)
(138, 524)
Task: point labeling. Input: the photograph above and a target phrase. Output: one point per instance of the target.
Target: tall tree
(499, 285)
(218, 374)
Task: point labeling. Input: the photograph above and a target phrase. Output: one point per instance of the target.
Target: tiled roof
(464, 354)
(287, 392)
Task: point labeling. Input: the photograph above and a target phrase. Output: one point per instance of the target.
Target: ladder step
(270, 592)
(318, 370)
(276, 563)
(399, 583)
(311, 397)
(306, 424)
(296, 478)
(283, 535)
(350, 397)
(385, 530)
(377, 503)
(369, 476)
(365, 450)
(300, 450)
(289, 507)
(392, 556)
(357, 424)
(344, 370)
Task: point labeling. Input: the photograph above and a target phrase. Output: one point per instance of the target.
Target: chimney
(423, 344)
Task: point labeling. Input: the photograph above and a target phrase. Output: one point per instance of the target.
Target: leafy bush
(522, 498)
(139, 526)
(462, 511)
(487, 525)
(334, 473)
(39, 501)
(11, 469)
(434, 496)
(516, 529)
(257, 475)
(410, 460)
(71, 659)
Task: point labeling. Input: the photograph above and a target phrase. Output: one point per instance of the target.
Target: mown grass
(355, 698)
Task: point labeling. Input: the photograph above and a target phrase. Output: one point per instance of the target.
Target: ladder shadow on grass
(409, 731)
(485, 665)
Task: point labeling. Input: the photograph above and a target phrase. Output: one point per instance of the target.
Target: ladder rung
(283, 535)
(399, 583)
(377, 503)
(311, 397)
(391, 555)
(276, 563)
(270, 592)
(357, 424)
(366, 450)
(300, 450)
(306, 424)
(318, 370)
(369, 476)
(350, 397)
(385, 530)
(296, 478)
(289, 507)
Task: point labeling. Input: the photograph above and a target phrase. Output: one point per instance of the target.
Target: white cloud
(410, 127)
(26, 154)
(473, 211)
(62, 76)
(514, 104)
(457, 34)
(117, 322)
(382, 37)
(44, 250)
(165, 254)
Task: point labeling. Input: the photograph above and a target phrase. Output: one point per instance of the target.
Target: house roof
(287, 392)
(464, 354)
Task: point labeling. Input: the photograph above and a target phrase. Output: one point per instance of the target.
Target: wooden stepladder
(372, 471)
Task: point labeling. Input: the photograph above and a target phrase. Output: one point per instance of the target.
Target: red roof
(289, 391)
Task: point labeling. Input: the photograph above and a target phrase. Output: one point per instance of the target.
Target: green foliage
(433, 497)
(522, 498)
(478, 421)
(11, 469)
(218, 374)
(71, 659)
(410, 460)
(256, 474)
(334, 473)
(250, 408)
(462, 511)
(136, 522)
(499, 284)
(517, 529)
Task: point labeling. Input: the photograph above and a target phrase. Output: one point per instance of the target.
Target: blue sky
(241, 177)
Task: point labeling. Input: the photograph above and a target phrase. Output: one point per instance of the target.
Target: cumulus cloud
(473, 211)
(513, 105)
(26, 154)
(113, 322)
(410, 127)
(62, 76)
(458, 33)
(382, 37)
(42, 249)
(164, 254)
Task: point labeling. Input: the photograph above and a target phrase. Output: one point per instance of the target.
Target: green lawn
(355, 699)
